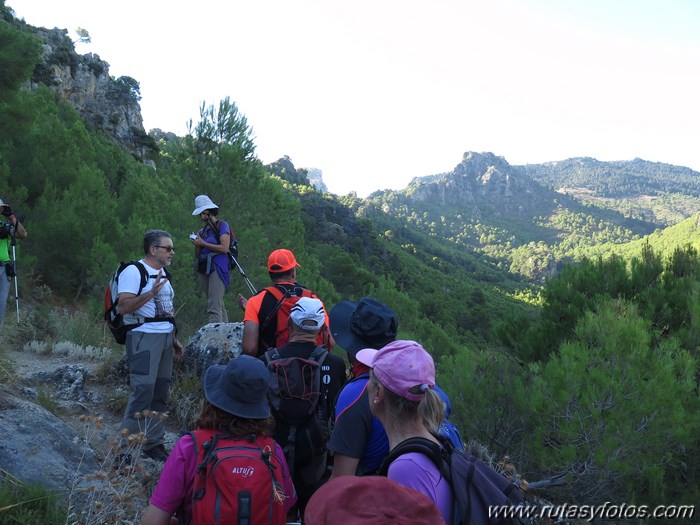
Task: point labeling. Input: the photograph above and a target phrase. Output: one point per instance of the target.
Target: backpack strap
(271, 355)
(441, 456)
(319, 355)
(414, 444)
(215, 230)
(144, 280)
(233, 244)
(144, 275)
(280, 293)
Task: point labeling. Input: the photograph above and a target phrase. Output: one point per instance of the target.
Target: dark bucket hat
(366, 323)
(239, 388)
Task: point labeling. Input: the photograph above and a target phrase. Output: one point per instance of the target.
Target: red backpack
(286, 297)
(237, 481)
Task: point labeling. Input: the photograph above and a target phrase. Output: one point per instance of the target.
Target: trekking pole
(252, 289)
(14, 266)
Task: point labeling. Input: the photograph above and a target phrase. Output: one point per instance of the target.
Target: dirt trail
(27, 364)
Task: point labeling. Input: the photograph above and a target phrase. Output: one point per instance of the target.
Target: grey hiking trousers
(150, 358)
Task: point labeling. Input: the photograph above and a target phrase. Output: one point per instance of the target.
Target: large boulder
(213, 344)
(39, 448)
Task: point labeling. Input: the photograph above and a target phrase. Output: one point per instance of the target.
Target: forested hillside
(653, 191)
(523, 219)
(585, 371)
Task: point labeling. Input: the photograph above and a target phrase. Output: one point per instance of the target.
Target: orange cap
(281, 261)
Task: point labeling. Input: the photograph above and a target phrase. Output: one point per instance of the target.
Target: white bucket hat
(201, 203)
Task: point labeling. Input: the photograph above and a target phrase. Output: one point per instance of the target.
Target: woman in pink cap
(403, 377)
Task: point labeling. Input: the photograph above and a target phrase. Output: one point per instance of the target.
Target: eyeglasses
(168, 248)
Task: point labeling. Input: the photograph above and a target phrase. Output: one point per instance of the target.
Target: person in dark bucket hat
(239, 388)
(358, 440)
(236, 413)
(366, 323)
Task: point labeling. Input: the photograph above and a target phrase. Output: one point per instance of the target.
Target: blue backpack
(475, 485)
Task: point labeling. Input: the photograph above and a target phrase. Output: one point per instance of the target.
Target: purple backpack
(475, 485)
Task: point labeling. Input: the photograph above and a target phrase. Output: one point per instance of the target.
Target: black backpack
(120, 324)
(300, 405)
(476, 486)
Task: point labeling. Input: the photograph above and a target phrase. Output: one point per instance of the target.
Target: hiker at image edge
(304, 382)
(266, 313)
(358, 442)
(211, 253)
(151, 345)
(9, 228)
(401, 385)
(230, 469)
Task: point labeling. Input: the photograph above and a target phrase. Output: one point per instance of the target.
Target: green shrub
(616, 412)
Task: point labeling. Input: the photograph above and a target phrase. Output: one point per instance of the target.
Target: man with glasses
(152, 345)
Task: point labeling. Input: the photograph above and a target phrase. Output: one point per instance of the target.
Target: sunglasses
(167, 248)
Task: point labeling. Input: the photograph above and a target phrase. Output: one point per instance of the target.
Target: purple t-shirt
(220, 261)
(417, 471)
(174, 489)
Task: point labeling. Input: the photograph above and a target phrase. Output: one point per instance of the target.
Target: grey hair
(152, 238)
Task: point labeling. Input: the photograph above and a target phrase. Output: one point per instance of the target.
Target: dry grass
(117, 493)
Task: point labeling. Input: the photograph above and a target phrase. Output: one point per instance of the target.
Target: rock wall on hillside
(83, 81)
(483, 184)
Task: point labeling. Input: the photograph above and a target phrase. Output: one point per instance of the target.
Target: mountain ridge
(112, 106)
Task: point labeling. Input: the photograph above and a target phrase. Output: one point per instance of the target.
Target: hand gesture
(160, 281)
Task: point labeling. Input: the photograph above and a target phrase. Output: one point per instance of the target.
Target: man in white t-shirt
(151, 346)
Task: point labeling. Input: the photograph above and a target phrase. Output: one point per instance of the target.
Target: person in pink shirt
(236, 406)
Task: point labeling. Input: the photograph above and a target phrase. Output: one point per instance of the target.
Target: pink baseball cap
(401, 366)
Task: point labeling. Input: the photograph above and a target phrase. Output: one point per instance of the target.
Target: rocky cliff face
(106, 104)
(315, 177)
(482, 183)
(284, 169)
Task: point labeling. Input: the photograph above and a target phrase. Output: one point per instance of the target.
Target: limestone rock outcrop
(105, 103)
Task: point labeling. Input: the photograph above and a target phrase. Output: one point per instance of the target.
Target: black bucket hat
(366, 323)
(239, 388)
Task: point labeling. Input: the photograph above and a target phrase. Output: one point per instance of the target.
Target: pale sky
(376, 92)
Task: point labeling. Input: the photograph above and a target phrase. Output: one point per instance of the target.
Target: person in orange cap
(266, 313)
